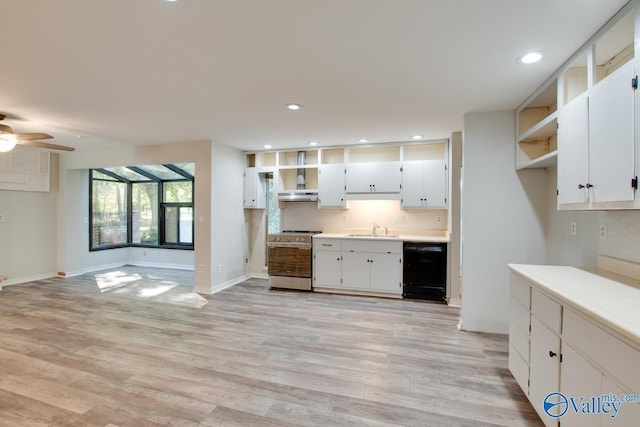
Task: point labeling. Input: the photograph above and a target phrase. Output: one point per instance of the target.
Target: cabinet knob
(552, 354)
(580, 186)
(589, 185)
(338, 259)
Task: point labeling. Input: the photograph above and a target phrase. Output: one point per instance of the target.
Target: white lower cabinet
(544, 374)
(327, 268)
(572, 356)
(579, 379)
(357, 266)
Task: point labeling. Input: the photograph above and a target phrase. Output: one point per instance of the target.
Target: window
(148, 205)
(144, 218)
(109, 214)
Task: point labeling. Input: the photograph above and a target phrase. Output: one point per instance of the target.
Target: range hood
(300, 194)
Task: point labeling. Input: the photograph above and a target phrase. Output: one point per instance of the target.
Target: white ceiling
(126, 72)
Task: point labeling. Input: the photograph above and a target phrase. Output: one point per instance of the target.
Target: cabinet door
(628, 413)
(356, 270)
(544, 368)
(386, 272)
(327, 269)
(331, 185)
(378, 177)
(251, 181)
(611, 141)
(573, 152)
(578, 378)
(435, 183)
(412, 184)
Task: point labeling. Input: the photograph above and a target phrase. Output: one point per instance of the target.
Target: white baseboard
(26, 279)
(455, 302)
(91, 269)
(162, 265)
(258, 276)
(221, 286)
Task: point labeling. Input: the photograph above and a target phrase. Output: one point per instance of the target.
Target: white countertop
(381, 236)
(611, 302)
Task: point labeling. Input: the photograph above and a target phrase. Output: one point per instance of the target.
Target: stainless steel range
(289, 259)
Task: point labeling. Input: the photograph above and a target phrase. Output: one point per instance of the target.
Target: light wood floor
(73, 353)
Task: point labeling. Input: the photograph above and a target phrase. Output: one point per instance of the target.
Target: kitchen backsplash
(623, 235)
(361, 214)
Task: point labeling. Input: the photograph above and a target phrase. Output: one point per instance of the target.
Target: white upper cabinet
(254, 189)
(611, 137)
(331, 185)
(374, 177)
(573, 153)
(424, 184)
(596, 120)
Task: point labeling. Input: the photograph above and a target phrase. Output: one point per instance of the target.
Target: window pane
(189, 168)
(109, 206)
(100, 175)
(161, 172)
(145, 213)
(178, 192)
(127, 174)
(171, 225)
(186, 225)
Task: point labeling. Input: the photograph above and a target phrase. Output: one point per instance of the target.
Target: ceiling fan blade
(45, 145)
(32, 136)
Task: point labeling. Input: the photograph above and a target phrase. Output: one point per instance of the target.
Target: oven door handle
(289, 245)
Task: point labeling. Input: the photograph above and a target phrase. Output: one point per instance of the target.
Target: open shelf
(544, 129)
(546, 161)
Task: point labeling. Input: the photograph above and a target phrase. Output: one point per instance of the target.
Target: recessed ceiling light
(530, 58)
(313, 143)
(267, 146)
(417, 137)
(293, 106)
(363, 140)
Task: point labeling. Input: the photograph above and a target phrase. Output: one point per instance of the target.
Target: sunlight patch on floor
(108, 281)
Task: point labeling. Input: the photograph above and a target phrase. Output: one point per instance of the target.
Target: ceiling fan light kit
(7, 142)
(9, 139)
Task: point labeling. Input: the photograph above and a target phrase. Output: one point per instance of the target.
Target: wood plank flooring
(133, 347)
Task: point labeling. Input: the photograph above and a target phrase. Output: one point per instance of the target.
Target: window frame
(160, 206)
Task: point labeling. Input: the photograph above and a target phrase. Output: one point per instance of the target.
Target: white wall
(29, 231)
(580, 250)
(229, 238)
(360, 214)
(503, 217)
(623, 234)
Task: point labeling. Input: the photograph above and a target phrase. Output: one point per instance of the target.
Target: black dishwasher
(425, 271)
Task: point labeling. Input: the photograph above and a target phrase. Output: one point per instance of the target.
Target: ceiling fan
(9, 139)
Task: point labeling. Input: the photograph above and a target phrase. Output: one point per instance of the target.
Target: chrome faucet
(375, 227)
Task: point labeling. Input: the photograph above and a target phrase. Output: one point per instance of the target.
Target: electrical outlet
(201, 268)
(144, 253)
(603, 231)
(219, 268)
(438, 219)
(1, 217)
(574, 229)
(85, 220)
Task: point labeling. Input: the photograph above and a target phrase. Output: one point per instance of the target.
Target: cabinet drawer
(521, 291)
(327, 244)
(520, 369)
(611, 354)
(372, 246)
(519, 341)
(546, 310)
(519, 316)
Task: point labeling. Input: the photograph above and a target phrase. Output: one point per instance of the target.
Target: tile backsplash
(361, 214)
